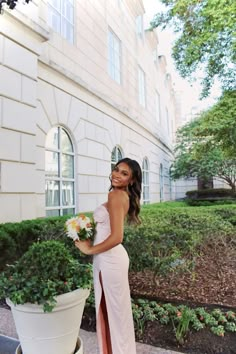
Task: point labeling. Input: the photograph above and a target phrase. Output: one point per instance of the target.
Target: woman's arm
(118, 205)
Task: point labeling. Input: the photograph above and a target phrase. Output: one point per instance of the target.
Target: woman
(115, 329)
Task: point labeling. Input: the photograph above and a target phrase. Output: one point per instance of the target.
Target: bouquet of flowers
(80, 227)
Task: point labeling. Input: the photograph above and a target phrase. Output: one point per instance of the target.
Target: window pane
(55, 212)
(110, 39)
(114, 57)
(141, 82)
(52, 164)
(61, 17)
(66, 145)
(113, 155)
(67, 166)
(59, 192)
(55, 3)
(52, 141)
(52, 193)
(67, 10)
(119, 157)
(68, 211)
(117, 47)
(158, 110)
(68, 193)
(144, 178)
(116, 155)
(54, 19)
(67, 30)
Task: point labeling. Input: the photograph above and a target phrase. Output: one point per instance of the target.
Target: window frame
(113, 58)
(146, 181)
(139, 26)
(63, 18)
(167, 121)
(142, 87)
(117, 151)
(60, 179)
(158, 107)
(161, 182)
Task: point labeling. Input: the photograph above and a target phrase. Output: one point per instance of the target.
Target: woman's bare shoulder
(118, 194)
(118, 197)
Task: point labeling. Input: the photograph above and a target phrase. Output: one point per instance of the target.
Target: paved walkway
(8, 339)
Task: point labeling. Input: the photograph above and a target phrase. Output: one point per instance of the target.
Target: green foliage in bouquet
(45, 271)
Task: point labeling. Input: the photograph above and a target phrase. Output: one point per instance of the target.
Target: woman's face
(121, 176)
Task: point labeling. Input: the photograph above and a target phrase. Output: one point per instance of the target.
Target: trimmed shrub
(16, 238)
(8, 249)
(217, 193)
(169, 240)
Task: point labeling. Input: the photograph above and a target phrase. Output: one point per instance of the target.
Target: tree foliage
(206, 146)
(219, 124)
(207, 39)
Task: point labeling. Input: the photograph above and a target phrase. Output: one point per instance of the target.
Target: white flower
(79, 227)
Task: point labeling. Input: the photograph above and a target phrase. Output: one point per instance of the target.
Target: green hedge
(16, 238)
(168, 240)
(214, 193)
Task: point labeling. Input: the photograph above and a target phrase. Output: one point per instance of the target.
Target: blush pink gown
(113, 266)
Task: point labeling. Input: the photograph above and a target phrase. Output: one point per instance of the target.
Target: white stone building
(81, 85)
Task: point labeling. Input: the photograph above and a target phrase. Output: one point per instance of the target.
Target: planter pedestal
(53, 332)
(78, 350)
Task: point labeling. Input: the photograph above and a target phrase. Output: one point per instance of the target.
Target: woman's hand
(84, 246)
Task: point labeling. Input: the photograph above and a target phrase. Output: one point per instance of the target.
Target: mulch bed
(213, 281)
(213, 284)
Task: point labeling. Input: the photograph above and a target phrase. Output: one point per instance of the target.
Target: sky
(190, 102)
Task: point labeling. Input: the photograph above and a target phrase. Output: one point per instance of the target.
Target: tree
(207, 39)
(205, 147)
(219, 124)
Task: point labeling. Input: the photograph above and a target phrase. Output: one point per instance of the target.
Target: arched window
(145, 172)
(59, 172)
(116, 155)
(161, 182)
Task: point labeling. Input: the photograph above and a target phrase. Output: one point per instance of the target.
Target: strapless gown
(113, 266)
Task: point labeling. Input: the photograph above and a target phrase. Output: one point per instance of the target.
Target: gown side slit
(103, 321)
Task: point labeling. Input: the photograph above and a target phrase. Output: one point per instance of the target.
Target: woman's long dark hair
(134, 190)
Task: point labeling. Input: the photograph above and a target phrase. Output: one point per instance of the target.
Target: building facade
(81, 85)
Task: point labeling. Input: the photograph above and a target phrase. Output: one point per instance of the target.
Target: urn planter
(53, 332)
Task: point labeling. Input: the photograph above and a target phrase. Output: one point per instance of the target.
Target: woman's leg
(103, 317)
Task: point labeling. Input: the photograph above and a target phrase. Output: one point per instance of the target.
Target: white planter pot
(53, 332)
